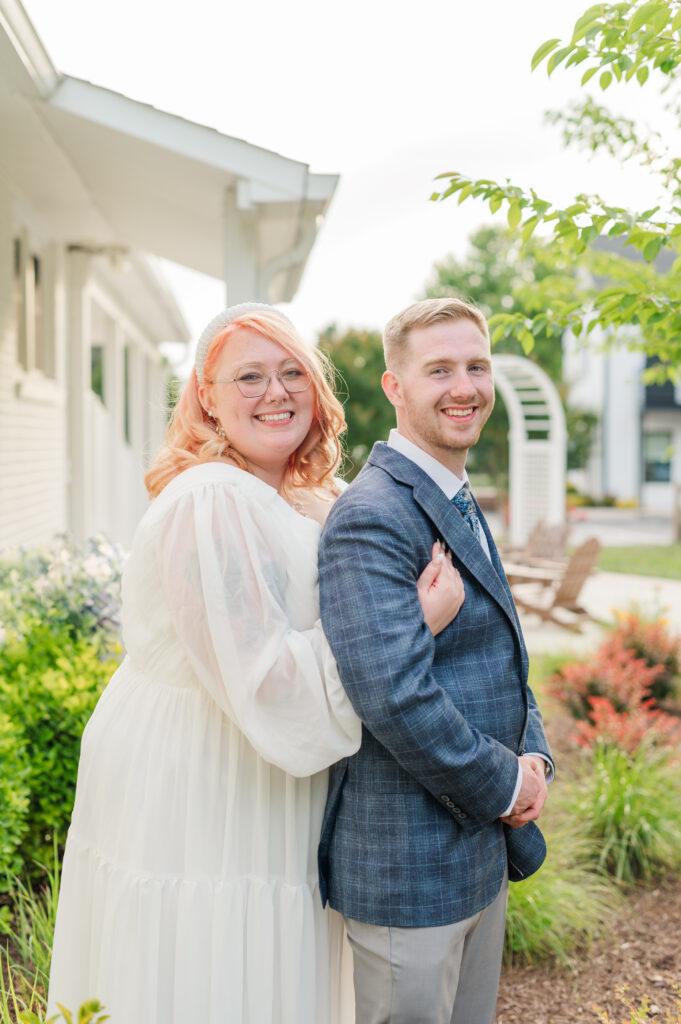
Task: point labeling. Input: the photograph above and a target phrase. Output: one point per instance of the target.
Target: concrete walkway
(602, 594)
(606, 591)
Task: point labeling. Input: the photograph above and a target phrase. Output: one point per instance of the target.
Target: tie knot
(463, 499)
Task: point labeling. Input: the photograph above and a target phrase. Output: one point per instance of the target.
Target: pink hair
(192, 439)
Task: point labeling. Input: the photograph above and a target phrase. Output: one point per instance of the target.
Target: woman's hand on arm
(440, 590)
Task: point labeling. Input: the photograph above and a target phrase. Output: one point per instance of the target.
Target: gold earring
(217, 426)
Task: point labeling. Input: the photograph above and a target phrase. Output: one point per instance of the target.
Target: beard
(432, 432)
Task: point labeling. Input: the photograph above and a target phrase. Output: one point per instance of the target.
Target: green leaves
(652, 248)
(633, 38)
(514, 214)
(544, 51)
(644, 15)
(584, 24)
(611, 43)
(574, 227)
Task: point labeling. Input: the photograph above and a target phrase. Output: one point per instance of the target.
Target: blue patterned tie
(463, 501)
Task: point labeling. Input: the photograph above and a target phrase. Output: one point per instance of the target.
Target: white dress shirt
(450, 483)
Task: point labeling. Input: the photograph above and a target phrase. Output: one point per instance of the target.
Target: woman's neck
(271, 476)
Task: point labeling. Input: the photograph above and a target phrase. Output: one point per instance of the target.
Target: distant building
(92, 186)
(637, 451)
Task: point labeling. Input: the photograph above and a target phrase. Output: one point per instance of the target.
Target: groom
(426, 823)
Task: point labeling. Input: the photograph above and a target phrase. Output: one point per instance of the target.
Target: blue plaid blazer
(411, 834)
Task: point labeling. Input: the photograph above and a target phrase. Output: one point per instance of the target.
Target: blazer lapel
(451, 527)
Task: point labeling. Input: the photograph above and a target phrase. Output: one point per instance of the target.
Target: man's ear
(392, 387)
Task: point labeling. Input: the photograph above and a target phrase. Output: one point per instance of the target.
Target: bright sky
(384, 92)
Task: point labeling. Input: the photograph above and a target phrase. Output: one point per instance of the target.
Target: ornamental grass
(629, 805)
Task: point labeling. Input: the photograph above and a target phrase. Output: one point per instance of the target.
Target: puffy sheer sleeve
(243, 601)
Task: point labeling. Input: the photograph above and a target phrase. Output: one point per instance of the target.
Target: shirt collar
(447, 481)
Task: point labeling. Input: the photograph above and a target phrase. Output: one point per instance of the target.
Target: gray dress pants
(443, 975)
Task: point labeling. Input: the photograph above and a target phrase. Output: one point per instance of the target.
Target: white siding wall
(608, 384)
(65, 464)
(32, 428)
(622, 415)
(112, 488)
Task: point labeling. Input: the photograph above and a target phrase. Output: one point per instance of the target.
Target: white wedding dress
(189, 890)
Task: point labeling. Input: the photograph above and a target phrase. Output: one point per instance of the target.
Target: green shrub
(558, 911)
(49, 685)
(629, 804)
(14, 795)
(73, 588)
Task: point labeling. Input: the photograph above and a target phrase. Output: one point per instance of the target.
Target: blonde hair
(425, 314)
(192, 438)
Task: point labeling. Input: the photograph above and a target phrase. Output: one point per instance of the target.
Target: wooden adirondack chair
(559, 590)
(547, 542)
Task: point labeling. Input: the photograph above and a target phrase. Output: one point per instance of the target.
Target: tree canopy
(358, 359)
(631, 42)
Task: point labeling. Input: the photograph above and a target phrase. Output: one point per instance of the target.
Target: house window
(126, 393)
(657, 457)
(43, 351)
(19, 305)
(97, 371)
(102, 354)
(35, 350)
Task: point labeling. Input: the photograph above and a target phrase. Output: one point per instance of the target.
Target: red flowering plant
(627, 729)
(613, 673)
(651, 640)
(614, 694)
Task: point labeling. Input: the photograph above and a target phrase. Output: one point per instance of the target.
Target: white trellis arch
(538, 445)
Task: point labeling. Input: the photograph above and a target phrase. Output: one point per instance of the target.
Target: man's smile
(458, 414)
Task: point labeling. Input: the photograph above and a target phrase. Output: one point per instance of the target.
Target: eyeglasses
(254, 383)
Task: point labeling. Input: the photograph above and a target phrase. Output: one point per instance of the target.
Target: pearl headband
(220, 321)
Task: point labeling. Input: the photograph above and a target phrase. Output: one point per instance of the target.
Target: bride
(189, 886)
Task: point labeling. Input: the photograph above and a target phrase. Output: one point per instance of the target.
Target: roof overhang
(126, 175)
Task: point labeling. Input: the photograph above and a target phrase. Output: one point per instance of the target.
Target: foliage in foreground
(15, 1010)
(30, 932)
(68, 588)
(641, 1013)
(629, 805)
(25, 960)
(49, 685)
(59, 612)
(14, 792)
(557, 912)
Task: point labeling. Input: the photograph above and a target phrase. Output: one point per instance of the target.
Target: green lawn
(646, 560)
